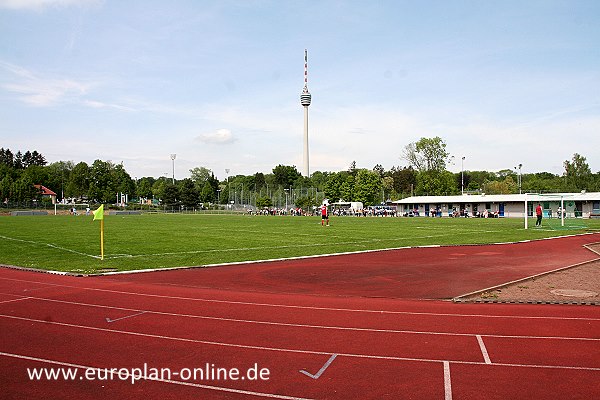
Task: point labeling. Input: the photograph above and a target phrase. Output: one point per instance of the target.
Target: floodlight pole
(462, 176)
(519, 177)
(173, 159)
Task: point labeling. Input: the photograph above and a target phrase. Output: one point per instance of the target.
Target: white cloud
(39, 91)
(99, 104)
(220, 136)
(39, 5)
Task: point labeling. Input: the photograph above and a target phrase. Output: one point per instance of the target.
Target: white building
(585, 205)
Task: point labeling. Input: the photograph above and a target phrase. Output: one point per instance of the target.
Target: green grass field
(68, 243)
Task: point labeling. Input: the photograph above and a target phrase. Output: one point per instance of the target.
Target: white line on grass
(150, 378)
(361, 242)
(48, 245)
(293, 325)
(306, 307)
(286, 350)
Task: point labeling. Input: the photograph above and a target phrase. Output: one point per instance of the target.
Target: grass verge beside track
(72, 244)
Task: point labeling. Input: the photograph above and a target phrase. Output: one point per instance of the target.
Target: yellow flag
(99, 213)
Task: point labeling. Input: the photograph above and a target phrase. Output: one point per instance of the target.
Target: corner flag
(99, 214)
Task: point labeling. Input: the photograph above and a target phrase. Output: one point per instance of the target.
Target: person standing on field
(538, 213)
(324, 215)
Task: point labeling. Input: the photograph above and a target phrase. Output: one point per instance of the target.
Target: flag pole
(102, 239)
(99, 214)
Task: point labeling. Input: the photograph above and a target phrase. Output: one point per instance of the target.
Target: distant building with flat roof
(584, 204)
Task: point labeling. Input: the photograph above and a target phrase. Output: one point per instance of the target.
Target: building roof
(500, 198)
(45, 191)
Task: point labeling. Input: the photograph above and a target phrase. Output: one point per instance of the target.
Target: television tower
(305, 101)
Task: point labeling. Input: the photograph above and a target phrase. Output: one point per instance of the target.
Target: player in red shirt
(324, 215)
(538, 214)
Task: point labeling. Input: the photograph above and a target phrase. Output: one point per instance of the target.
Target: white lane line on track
(447, 382)
(295, 325)
(210, 387)
(109, 320)
(306, 307)
(323, 368)
(13, 300)
(282, 350)
(484, 352)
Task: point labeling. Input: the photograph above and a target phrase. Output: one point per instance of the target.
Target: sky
(218, 83)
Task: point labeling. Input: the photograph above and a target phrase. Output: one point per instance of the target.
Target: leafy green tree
(367, 188)
(318, 180)
(36, 174)
(144, 188)
(577, 173)
(405, 179)
(171, 195)
(6, 157)
(347, 188)
(387, 183)
(121, 181)
(306, 203)
(506, 186)
(436, 183)
(33, 158)
(286, 175)
(259, 181)
(78, 182)
(23, 189)
(333, 185)
(101, 188)
(352, 168)
(6, 187)
(58, 176)
(430, 157)
(200, 175)
(427, 154)
(158, 188)
(18, 160)
(263, 202)
(189, 193)
(379, 169)
(224, 195)
(208, 194)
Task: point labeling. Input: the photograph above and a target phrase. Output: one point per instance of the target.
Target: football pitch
(72, 243)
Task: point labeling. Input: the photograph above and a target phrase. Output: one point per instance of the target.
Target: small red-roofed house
(45, 192)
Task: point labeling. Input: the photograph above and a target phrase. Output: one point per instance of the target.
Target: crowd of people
(381, 211)
(366, 212)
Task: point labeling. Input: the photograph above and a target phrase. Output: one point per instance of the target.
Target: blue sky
(218, 82)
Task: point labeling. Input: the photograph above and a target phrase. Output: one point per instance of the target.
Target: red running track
(411, 273)
(355, 347)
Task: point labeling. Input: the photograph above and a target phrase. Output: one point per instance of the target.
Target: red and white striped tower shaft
(305, 101)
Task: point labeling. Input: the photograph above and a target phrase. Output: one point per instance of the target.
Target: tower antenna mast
(305, 99)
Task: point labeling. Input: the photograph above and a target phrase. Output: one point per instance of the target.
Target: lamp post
(286, 199)
(462, 176)
(228, 187)
(519, 177)
(173, 160)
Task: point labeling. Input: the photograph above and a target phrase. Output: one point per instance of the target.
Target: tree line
(425, 173)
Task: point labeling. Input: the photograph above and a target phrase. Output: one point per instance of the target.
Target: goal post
(548, 200)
